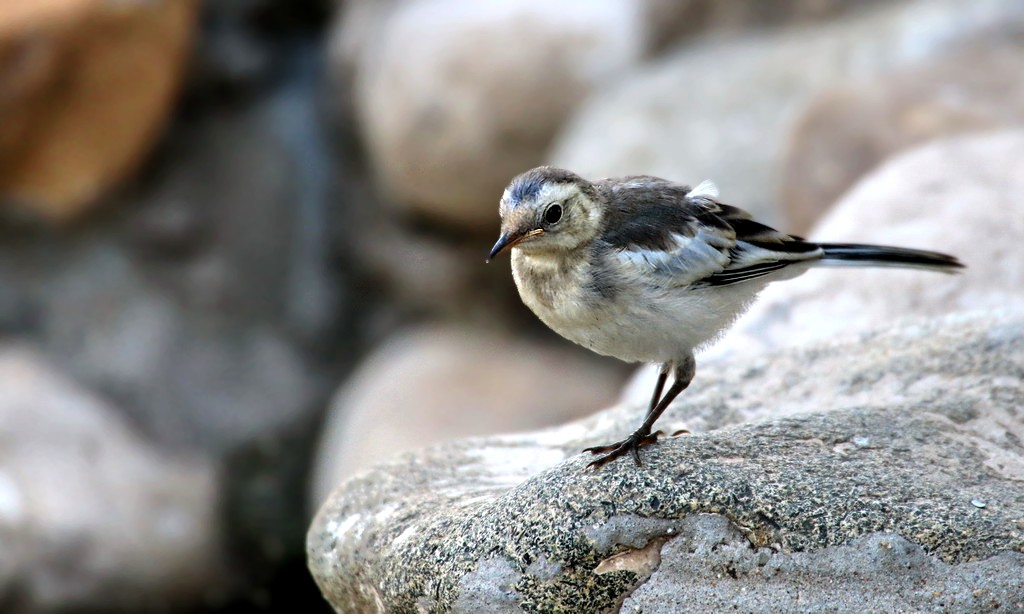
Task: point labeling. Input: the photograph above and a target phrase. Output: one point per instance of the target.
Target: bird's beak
(510, 240)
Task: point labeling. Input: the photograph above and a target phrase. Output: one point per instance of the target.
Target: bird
(648, 270)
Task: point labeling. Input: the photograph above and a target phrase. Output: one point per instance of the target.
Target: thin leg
(659, 386)
(643, 435)
(683, 377)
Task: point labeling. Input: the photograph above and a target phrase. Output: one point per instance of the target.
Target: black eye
(553, 214)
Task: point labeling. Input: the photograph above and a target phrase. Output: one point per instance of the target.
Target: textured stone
(712, 564)
(959, 196)
(910, 476)
(458, 96)
(439, 383)
(91, 516)
(86, 88)
(724, 109)
(850, 129)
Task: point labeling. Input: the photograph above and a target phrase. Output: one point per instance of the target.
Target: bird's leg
(659, 386)
(642, 436)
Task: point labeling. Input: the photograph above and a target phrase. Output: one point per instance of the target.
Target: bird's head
(548, 209)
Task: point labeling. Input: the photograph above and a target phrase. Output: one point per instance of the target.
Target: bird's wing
(677, 236)
(759, 249)
(654, 230)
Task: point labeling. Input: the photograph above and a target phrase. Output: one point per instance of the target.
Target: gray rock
(190, 377)
(458, 96)
(437, 383)
(359, 23)
(850, 129)
(92, 517)
(723, 109)
(712, 564)
(910, 476)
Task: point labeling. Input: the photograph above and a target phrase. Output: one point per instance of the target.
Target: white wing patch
(705, 189)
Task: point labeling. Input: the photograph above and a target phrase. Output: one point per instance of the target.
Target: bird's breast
(557, 290)
(630, 319)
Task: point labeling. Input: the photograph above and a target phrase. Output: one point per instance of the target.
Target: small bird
(648, 270)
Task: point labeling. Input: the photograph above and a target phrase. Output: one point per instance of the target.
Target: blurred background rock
(218, 215)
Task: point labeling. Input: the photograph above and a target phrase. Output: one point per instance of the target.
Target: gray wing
(674, 236)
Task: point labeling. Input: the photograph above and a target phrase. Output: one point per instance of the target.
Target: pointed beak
(500, 245)
(509, 240)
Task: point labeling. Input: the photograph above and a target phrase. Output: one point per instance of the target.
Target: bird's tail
(852, 254)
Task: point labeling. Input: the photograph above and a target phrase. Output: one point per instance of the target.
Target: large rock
(458, 96)
(359, 22)
(959, 196)
(91, 516)
(850, 129)
(724, 109)
(87, 86)
(440, 383)
(904, 491)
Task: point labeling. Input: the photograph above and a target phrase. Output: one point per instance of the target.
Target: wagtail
(648, 270)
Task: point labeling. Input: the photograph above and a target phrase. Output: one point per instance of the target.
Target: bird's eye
(553, 214)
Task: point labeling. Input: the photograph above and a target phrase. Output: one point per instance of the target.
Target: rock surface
(93, 518)
(87, 86)
(910, 477)
(459, 96)
(723, 109)
(850, 129)
(960, 196)
(439, 383)
(359, 23)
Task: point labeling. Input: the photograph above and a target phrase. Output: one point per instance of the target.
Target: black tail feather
(881, 255)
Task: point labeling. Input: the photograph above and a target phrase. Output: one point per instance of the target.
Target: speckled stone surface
(885, 473)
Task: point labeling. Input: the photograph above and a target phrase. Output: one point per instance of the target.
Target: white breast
(636, 322)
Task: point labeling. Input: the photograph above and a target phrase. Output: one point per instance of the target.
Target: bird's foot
(631, 445)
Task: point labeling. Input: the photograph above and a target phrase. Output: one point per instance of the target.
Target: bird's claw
(631, 445)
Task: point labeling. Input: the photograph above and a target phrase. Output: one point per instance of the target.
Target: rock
(424, 272)
(208, 309)
(865, 575)
(902, 490)
(723, 109)
(959, 196)
(360, 22)
(672, 21)
(459, 96)
(88, 85)
(357, 25)
(437, 383)
(189, 377)
(91, 516)
(851, 128)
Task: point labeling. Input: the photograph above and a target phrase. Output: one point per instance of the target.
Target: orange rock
(85, 87)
